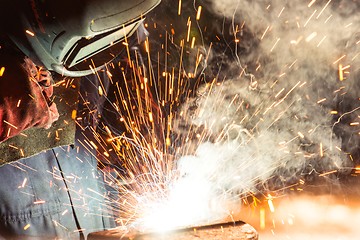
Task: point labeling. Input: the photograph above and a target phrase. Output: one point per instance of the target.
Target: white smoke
(278, 122)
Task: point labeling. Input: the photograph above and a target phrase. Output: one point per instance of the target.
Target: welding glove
(45, 82)
(25, 93)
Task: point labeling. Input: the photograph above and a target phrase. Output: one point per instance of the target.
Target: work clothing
(58, 193)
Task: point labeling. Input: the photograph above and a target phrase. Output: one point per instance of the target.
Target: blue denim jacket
(58, 193)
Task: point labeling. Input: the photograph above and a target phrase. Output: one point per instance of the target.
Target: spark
(179, 8)
(306, 23)
(311, 3)
(271, 205)
(12, 125)
(348, 25)
(18, 103)
(24, 182)
(192, 42)
(266, 30)
(22, 154)
(292, 64)
(341, 73)
(198, 14)
(27, 226)
(301, 135)
(30, 33)
(321, 150)
(321, 100)
(189, 30)
(321, 41)
(281, 12)
(311, 37)
(262, 218)
(12, 146)
(151, 117)
(277, 40)
(328, 18)
(100, 91)
(339, 59)
(355, 56)
(328, 173)
(322, 10)
(93, 145)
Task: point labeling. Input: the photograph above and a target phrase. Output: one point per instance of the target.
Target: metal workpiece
(222, 231)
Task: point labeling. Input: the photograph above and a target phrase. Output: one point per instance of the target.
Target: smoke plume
(288, 110)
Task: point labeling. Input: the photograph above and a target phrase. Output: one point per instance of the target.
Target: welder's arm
(24, 101)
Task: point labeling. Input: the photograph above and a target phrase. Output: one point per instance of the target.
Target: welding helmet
(69, 36)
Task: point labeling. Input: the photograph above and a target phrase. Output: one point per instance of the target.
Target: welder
(51, 187)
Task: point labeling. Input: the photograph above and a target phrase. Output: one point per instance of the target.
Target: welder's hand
(44, 79)
(42, 76)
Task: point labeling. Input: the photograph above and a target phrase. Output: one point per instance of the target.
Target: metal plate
(223, 231)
